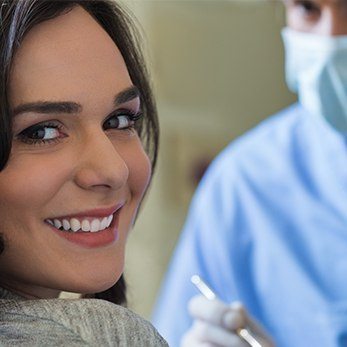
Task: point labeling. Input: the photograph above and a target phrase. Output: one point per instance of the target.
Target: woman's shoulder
(77, 322)
(114, 324)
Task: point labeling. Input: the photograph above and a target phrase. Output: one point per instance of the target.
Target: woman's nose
(100, 165)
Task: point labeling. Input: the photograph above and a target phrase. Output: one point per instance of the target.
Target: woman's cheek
(33, 179)
(140, 171)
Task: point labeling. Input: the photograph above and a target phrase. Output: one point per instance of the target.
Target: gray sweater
(71, 322)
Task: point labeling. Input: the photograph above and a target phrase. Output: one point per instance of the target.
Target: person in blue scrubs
(268, 224)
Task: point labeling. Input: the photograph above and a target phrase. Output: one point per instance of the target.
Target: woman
(77, 122)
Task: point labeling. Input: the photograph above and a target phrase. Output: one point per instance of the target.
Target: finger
(238, 318)
(204, 332)
(207, 310)
(235, 317)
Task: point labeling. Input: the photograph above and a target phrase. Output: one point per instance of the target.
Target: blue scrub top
(268, 227)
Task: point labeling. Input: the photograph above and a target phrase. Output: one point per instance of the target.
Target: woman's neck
(29, 294)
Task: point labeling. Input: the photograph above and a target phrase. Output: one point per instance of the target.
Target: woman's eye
(40, 133)
(121, 121)
(117, 122)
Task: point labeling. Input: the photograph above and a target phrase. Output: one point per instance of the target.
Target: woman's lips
(102, 225)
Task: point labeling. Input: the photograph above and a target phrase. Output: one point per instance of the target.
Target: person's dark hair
(17, 17)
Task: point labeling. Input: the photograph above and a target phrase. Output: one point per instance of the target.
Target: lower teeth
(71, 231)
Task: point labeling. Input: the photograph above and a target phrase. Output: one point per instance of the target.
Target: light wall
(218, 70)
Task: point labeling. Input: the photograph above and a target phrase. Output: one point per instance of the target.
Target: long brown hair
(17, 17)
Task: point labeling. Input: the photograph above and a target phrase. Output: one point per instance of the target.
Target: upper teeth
(74, 224)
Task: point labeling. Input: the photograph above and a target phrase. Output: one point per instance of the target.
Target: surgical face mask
(316, 69)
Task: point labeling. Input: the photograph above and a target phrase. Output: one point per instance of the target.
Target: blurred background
(217, 69)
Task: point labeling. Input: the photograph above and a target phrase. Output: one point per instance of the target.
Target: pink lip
(89, 239)
(98, 212)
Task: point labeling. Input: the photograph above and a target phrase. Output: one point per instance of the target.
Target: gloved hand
(215, 324)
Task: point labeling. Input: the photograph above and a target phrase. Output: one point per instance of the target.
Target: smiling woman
(79, 138)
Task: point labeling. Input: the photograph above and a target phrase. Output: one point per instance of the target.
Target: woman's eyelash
(32, 135)
(133, 116)
(137, 116)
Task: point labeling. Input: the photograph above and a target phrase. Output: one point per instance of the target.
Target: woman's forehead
(69, 51)
(69, 32)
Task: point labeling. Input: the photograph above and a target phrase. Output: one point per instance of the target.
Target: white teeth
(57, 223)
(75, 224)
(95, 225)
(66, 224)
(85, 225)
(103, 224)
(109, 220)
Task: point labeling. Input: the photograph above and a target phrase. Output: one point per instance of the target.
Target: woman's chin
(101, 288)
(91, 286)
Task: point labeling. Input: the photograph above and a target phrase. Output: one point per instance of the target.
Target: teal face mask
(316, 69)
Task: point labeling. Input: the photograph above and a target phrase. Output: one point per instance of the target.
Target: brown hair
(17, 17)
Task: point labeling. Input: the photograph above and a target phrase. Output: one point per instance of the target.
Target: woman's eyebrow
(127, 95)
(70, 107)
(48, 107)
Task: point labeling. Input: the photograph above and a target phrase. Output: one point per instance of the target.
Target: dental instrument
(205, 290)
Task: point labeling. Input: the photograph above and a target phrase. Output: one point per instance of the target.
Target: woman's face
(75, 161)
